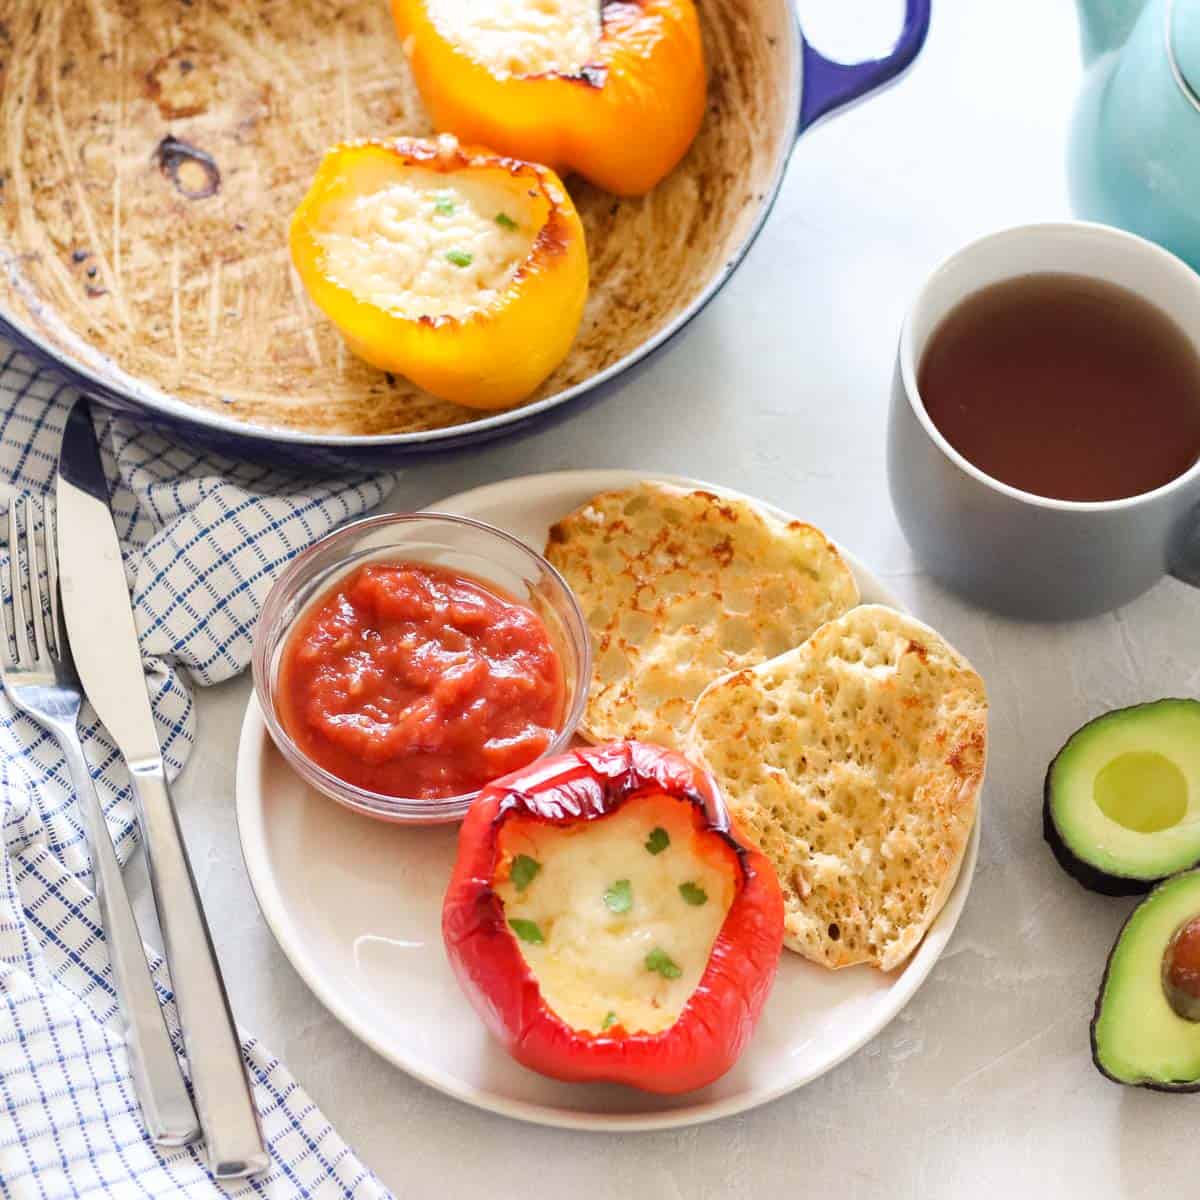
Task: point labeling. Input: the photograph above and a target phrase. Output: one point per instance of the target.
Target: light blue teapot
(1134, 157)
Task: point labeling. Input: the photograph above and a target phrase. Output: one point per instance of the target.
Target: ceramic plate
(355, 904)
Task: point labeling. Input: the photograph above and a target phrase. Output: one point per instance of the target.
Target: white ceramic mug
(1010, 550)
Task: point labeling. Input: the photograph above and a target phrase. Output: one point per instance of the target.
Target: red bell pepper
(716, 1021)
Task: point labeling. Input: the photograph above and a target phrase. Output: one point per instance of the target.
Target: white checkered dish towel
(203, 538)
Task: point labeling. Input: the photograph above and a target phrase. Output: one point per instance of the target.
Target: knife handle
(157, 1079)
(222, 1089)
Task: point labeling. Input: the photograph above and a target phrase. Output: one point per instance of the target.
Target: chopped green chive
(609, 1021)
(693, 893)
(505, 221)
(527, 931)
(460, 258)
(619, 897)
(658, 840)
(443, 205)
(659, 960)
(523, 871)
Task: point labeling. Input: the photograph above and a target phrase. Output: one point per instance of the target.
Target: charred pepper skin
(720, 1016)
(494, 357)
(623, 122)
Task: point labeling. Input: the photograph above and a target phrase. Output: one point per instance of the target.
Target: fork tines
(33, 585)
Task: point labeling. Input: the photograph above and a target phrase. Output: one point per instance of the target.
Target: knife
(100, 624)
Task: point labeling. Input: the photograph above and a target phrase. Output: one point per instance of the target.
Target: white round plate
(355, 904)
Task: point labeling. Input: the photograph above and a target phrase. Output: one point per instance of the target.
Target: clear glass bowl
(456, 543)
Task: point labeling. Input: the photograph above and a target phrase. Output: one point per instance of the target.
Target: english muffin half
(855, 762)
(680, 587)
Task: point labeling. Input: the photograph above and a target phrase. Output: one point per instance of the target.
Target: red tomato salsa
(412, 680)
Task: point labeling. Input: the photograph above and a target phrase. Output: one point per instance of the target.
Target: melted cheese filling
(597, 967)
(427, 244)
(521, 37)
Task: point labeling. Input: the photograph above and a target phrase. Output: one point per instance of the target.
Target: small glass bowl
(458, 544)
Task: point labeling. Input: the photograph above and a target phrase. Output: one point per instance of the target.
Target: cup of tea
(1044, 435)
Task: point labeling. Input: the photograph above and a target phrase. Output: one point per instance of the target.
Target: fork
(40, 680)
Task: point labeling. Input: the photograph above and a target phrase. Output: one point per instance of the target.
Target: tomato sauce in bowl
(409, 679)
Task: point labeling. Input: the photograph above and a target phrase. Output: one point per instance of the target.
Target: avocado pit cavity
(1181, 970)
(1143, 791)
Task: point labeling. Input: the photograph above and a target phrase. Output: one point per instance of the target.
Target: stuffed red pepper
(608, 921)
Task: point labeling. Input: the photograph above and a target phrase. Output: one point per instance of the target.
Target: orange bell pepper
(365, 268)
(623, 121)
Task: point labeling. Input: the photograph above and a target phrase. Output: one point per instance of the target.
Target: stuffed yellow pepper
(612, 89)
(464, 271)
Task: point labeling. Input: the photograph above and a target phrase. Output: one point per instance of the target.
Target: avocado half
(1122, 797)
(1137, 1036)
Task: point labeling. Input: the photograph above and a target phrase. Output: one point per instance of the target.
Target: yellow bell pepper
(462, 270)
(623, 121)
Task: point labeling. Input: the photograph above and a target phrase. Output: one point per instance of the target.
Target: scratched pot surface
(153, 153)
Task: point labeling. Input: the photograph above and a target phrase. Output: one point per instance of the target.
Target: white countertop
(984, 1085)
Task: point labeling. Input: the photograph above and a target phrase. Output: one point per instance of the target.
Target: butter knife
(100, 624)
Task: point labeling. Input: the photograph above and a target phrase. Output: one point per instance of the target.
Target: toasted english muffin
(682, 586)
(855, 762)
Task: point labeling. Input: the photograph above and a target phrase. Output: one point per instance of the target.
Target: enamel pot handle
(830, 85)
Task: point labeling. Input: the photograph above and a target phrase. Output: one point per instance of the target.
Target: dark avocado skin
(1091, 877)
(1148, 1086)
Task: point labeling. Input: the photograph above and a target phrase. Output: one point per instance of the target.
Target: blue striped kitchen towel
(203, 539)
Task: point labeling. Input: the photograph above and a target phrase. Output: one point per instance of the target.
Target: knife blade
(103, 633)
(95, 596)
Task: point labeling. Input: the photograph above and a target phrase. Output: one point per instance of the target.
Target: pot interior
(154, 150)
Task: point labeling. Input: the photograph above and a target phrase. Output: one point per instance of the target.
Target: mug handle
(830, 85)
(1185, 553)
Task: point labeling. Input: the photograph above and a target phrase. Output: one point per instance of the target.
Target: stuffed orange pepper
(612, 89)
(460, 269)
(609, 922)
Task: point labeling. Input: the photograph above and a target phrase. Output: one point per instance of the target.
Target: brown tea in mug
(1065, 386)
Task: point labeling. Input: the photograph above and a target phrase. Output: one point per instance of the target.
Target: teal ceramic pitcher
(1134, 158)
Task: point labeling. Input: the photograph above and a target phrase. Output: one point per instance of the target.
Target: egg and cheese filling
(521, 37)
(427, 244)
(616, 917)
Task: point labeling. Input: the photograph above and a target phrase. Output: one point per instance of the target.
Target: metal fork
(39, 678)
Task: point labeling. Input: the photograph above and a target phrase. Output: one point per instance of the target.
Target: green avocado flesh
(1137, 1037)
(1123, 795)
